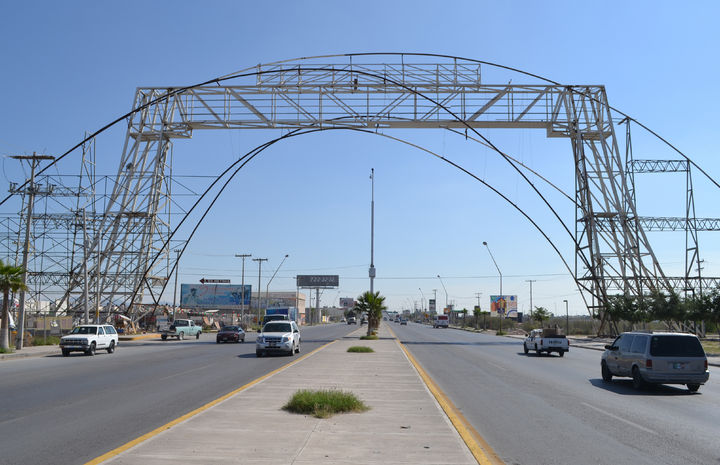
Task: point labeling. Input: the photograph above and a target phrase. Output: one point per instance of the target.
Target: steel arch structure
(612, 249)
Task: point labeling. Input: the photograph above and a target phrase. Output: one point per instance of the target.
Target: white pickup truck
(546, 340)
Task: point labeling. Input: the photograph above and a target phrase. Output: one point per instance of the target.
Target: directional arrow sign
(214, 281)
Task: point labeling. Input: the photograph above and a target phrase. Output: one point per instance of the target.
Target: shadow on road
(624, 387)
(533, 354)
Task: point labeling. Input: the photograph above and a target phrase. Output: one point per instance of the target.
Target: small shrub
(324, 403)
(360, 349)
(6, 351)
(372, 337)
(500, 333)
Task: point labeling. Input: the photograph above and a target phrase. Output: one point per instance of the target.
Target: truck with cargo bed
(180, 329)
(546, 340)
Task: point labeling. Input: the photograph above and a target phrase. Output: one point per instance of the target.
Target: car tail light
(706, 365)
(648, 363)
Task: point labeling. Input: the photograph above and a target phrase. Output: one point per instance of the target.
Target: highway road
(551, 410)
(71, 410)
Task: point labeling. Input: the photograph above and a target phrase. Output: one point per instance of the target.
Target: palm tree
(373, 304)
(10, 280)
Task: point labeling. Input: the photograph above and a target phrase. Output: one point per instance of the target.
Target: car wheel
(292, 351)
(91, 350)
(693, 387)
(197, 336)
(243, 339)
(258, 353)
(164, 337)
(525, 349)
(111, 347)
(561, 353)
(181, 336)
(606, 374)
(297, 349)
(65, 352)
(538, 352)
(217, 341)
(637, 380)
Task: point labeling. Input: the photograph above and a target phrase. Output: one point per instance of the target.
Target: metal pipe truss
(612, 249)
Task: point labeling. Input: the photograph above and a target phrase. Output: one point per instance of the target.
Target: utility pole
(177, 272)
(371, 271)
(242, 284)
(446, 294)
(31, 190)
(567, 319)
(422, 302)
(478, 294)
(531, 305)
(259, 260)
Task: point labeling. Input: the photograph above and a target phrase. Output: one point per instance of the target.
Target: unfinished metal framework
(612, 249)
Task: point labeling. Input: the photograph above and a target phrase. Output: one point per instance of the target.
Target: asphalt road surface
(551, 410)
(69, 410)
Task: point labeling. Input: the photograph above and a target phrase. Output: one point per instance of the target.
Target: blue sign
(214, 296)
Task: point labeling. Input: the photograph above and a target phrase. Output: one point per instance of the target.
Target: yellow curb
(167, 426)
(480, 449)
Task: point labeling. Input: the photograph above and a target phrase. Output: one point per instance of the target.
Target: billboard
(431, 305)
(214, 296)
(318, 280)
(347, 302)
(503, 305)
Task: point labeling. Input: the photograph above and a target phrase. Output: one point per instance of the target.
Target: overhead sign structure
(214, 281)
(214, 296)
(320, 281)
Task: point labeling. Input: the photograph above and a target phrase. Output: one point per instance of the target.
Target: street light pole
(259, 261)
(422, 302)
(446, 294)
(242, 284)
(502, 299)
(177, 271)
(567, 319)
(371, 271)
(531, 306)
(267, 298)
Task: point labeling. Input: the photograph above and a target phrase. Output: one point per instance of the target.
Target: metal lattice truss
(612, 249)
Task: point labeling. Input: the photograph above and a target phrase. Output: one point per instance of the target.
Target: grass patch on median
(324, 403)
(360, 349)
(6, 351)
(372, 337)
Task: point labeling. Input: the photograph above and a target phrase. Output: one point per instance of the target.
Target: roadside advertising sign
(431, 305)
(214, 296)
(347, 302)
(504, 306)
(318, 281)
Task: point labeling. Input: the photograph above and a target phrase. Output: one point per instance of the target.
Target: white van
(441, 321)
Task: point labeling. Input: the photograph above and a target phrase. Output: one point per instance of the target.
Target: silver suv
(656, 358)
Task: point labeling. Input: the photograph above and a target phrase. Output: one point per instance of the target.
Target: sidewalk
(404, 424)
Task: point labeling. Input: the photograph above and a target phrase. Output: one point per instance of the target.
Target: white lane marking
(621, 419)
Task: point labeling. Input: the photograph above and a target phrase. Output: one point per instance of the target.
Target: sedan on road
(230, 334)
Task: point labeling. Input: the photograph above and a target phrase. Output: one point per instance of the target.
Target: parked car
(656, 358)
(278, 336)
(89, 338)
(230, 334)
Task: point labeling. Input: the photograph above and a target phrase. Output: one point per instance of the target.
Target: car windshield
(277, 327)
(230, 328)
(84, 330)
(676, 346)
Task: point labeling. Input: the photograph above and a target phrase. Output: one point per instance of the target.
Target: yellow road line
(480, 449)
(167, 426)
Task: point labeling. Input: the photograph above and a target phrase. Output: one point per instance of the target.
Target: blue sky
(71, 67)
